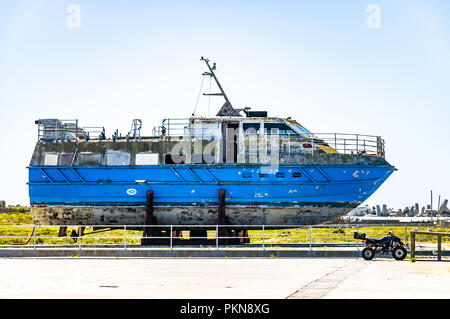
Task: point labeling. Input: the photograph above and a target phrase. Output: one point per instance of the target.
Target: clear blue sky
(317, 61)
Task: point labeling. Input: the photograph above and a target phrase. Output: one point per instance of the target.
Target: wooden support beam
(148, 220)
(221, 220)
(413, 245)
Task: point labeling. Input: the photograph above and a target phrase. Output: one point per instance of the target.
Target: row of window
(111, 159)
(278, 174)
(282, 129)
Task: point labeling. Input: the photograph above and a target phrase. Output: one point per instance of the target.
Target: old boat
(271, 171)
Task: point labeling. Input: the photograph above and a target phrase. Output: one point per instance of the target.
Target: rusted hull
(236, 215)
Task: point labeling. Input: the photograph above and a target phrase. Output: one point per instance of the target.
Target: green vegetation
(16, 219)
(12, 221)
(341, 234)
(13, 209)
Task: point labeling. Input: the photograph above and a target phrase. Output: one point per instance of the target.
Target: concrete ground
(207, 278)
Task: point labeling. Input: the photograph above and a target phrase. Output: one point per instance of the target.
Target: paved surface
(238, 252)
(222, 278)
(340, 252)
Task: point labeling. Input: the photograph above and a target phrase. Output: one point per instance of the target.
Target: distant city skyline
(368, 67)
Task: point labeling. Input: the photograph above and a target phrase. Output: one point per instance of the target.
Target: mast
(227, 109)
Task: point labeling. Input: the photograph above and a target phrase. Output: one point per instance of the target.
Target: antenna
(227, 109)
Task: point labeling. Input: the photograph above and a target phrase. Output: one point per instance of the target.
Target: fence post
(125, 236)
(346, 233)
(79, 238)
(217, 237)
(406, 236)
(171, 233)
(413, 245)
(263, 233)
(419, 230)
(310, 237)
(34, 237)
(439, 248)
(357, 242)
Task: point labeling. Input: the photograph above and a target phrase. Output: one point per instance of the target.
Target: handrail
(187, 128)
(126, 236)
(427, 233)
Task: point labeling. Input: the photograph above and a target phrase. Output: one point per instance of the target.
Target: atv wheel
(399, 253)
(368, 253)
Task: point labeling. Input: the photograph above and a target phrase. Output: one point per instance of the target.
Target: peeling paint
(134, 215)
(60, 215)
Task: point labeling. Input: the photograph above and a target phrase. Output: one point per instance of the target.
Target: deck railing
(341, 143)
(53, 130)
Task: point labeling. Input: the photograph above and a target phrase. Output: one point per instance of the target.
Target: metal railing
(189, 128)
(357, 144)
(334, 143)
(439, 236)
(52, 130)
(95, 132)
(341, 143)
(59, 130)
(263, 236)
(173, 127)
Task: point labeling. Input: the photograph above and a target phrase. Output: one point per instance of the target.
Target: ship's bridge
(201, 127)
(292, 136)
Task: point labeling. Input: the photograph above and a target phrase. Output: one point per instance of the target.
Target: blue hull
(198, 185)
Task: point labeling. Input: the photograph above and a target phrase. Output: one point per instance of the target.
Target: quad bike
(389, 244)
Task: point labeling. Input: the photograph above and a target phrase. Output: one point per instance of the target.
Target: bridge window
(283, 129)
(251, 128)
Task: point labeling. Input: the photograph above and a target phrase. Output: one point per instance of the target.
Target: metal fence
(59, 130)
(53, 130)
(128, 236)
(357, 144)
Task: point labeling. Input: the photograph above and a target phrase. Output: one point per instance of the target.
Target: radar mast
(227, 109)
